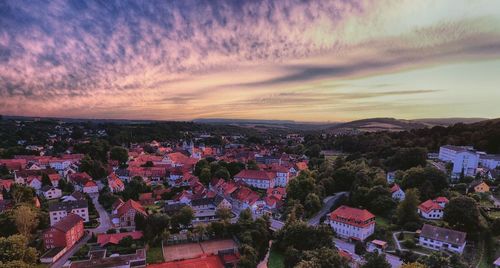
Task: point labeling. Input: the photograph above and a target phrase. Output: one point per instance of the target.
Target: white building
(90, 187)
(464, 158)
(51, 192)
(352, 223)
(437, 238)
(447, 153)
(59, 210)
(397, 193)
(282, 176)
(257, 178)
(433, 209)
(489, 161)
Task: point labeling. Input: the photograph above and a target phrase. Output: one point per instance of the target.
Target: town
(77, 196)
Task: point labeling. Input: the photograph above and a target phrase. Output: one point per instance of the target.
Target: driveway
(328, 202)
(61, 261)
(104, 218)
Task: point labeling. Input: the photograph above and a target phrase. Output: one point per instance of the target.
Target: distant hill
(449, 121)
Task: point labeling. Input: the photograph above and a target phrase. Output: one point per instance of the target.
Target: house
(447, 153)
(397, 193)
(433, 209)
(493, 174)
(6, 184)
(205, 208)
(438, 238)
(489, 161)
(123, 214)
(106, 239)
(479, 187)
(391, 176)
(115, 184)
(464, 158)
(90, 187)
(282, 175)
(51, 192)
(75, 196)
(256, 178)
(59, 210)
(54, 179)
(146, 199)
(352, 223)
(65, 233)
(61, 237)
(171, 208)
(34, 182)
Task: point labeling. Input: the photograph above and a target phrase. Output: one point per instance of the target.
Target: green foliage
(135, 187)
(183, 217)
(22, 194)
(407, 210)
(375, 260)
(462, 213)
(429, 181)
(46, 180)
(15, 248)
(119, 154)
(94, 168)
(322, 258)
(406, 158)
(205, 176)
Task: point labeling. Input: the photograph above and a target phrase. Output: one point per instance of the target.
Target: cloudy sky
(330, 60)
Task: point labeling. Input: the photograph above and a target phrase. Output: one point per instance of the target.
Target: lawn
(154, 255)
(381, 222)
(276, 259)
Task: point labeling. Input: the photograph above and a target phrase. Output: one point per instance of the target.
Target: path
(328, 202)
(263, 263)
(104, 219)
(64, 258)
(398, 245)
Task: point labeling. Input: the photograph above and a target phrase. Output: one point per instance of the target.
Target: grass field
(382, 222)
(154, 255)
(276, 259)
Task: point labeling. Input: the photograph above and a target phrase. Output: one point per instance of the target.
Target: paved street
(61, 261)
(104, 218)
(328, 202)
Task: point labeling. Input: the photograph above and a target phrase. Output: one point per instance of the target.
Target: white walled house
(59, 210)
(282, 176)
(90, 187)
(433, 209)
(447, 153)
(352, 223)
(397, 193)
(51, 192)
(437, 238)
(465, 162)
(489, 161)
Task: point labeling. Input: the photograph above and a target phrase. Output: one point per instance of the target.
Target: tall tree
(407, 209)
(25, 219)
(463, 214)
(374, 260)
(119, 154)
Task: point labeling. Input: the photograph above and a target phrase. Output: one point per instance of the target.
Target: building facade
(352, 223)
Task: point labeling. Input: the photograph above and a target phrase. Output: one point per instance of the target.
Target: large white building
(59, 210)
(489, 161)
(352, 223)
(257, 178)
(437, 238)
(464, 158)
(447, 153)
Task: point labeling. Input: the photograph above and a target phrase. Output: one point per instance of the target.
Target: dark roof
(216, 200)
(122, 172)
(68, 222)
(443, 234)
(172, 208)
(47, 188)
(68, 206)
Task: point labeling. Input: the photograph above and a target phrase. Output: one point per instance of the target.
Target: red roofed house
(433, 209)
(352, 223)
(256, 178)
(90, 187)
(115, 184)
(6, 184)
(146, 199)
(105, 239)
(397, 193)
(62, 236)
(124, 213)
(54, 179)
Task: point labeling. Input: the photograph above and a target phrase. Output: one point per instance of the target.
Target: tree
(299, 187)
(22, 194)
(94, 168)
(222, 173)
(199, 166)
(205, 176)
(312, 204)
(463, 214)
(313, 151)
(223, 213)
(406, 158)
(375, 260)
(252, 165)
(46, 180)
(15, 249)
(429, 181)
(184, 216)
(25, 219)
(119, 154)
(407, 209)
(435, 260)
(322, 258)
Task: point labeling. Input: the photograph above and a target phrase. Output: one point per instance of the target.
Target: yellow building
(481, 188)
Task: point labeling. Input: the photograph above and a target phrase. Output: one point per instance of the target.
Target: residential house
(479, 187)
(433, 209)
(146, 199)
(6, 184)
(90, 187)
(205, 208)
(438, 238)
(51, 192)
(115, 184)
(352, 223)
(59, 210)
(123, 214)
(114, 239)
(397, 193)
(61, 237)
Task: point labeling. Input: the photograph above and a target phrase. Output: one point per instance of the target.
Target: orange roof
(352, 216)
(395, 188)
(430, 205)
(301, 165)
(90, 184)
(103, 239)
(201, 262)
(54, 177)
(254, 174)
(131, 204)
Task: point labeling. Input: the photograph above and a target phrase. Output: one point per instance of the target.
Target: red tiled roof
(104, 239)
(54, 177)
(301, 165)
(352, 216)
(254, 174)
(395, 188)
(68, 222)
(430, 205)
(90, 184)
(131, 204)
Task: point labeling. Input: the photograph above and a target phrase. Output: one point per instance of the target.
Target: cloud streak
(189, 59)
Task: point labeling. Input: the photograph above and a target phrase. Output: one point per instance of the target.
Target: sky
(330, 60)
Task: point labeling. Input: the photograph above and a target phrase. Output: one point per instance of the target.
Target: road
(61, 261)
(349, 247)
(328, 202)
(104, 219)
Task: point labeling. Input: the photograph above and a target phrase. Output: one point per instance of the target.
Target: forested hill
(484, 135)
